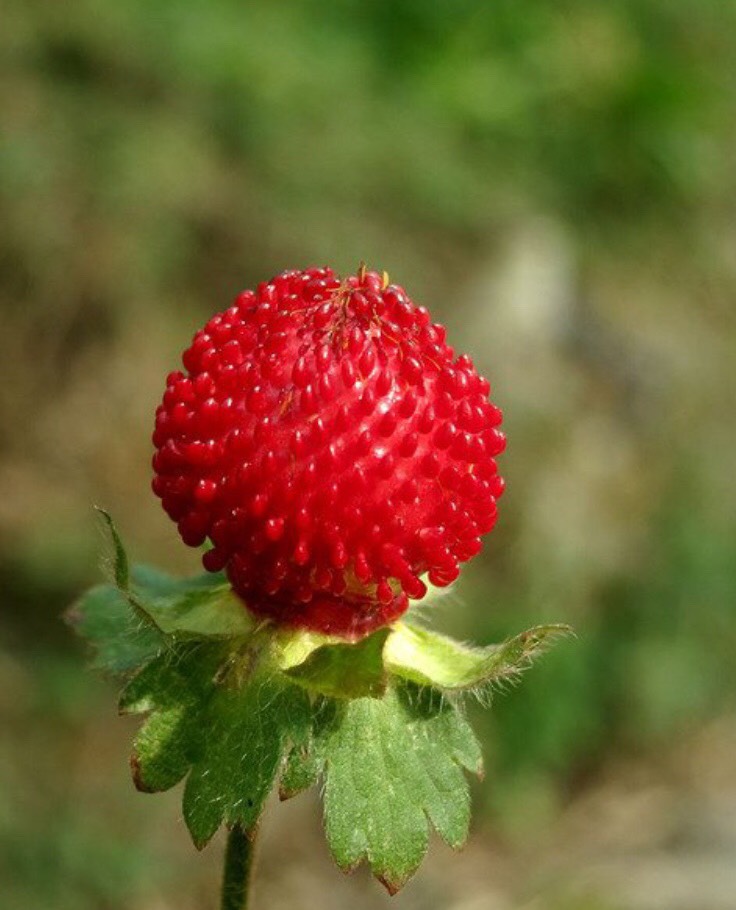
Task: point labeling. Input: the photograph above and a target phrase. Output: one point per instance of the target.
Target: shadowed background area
(556, 182)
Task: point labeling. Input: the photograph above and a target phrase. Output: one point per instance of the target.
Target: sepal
(428, 658)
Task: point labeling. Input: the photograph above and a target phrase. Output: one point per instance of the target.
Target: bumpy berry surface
(331, 447)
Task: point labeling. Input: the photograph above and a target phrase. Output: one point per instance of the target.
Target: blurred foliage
(653, 661)
(554, 180)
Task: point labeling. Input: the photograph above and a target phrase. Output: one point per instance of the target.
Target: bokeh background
(556, 182)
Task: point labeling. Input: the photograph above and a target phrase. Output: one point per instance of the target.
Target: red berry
(332, 448)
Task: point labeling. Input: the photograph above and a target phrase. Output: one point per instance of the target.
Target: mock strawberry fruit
(331, 447)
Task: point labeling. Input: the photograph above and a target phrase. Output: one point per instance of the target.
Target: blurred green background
(557, 183)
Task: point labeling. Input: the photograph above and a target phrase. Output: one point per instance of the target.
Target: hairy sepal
(425, 657)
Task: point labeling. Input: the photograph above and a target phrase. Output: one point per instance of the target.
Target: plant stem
(238, 875)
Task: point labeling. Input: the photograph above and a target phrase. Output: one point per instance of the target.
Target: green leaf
(175, 688)
(204, 606)
(151, 583)
(346, 670)
(305, 761)
(248, 732)
(225, 718)
(392, 765)
(428, 658)
(121, 640)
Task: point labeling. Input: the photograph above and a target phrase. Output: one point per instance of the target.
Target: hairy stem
(238, 875)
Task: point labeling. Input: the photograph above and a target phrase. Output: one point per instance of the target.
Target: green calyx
(237, 707)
